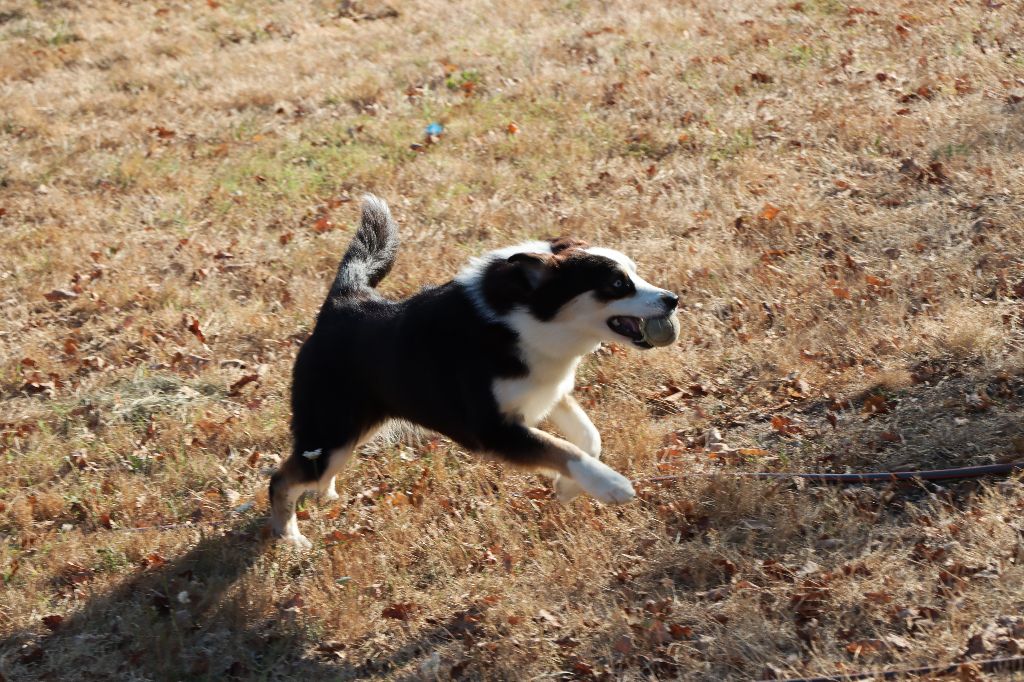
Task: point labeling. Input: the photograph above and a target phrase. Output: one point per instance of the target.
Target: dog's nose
(670, 300)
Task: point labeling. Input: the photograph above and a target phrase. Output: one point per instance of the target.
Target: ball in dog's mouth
(646, 332)
(661, 331)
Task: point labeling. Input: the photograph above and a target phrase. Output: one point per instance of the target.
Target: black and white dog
(481, 359)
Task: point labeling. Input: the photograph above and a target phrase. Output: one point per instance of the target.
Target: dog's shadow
(170, 622)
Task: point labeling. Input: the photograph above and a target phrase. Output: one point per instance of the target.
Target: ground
(833, 188)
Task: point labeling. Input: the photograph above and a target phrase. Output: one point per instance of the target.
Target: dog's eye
(618, 284)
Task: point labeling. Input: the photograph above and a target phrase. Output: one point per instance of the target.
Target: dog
(481, 359)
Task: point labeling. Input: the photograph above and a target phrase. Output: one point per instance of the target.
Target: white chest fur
(533, 396)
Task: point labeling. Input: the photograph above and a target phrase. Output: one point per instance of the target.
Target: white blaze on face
(646, 302)
(582, 323)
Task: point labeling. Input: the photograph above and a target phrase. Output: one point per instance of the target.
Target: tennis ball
(661, 331)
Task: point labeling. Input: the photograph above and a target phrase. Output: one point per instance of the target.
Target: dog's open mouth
(631, 328)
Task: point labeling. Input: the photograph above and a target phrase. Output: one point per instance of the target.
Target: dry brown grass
(834, 188)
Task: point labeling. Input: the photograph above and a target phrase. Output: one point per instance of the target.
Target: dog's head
(566, 292)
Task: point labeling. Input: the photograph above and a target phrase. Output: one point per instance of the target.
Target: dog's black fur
(442, 358)
(431, 359)
(443, 355)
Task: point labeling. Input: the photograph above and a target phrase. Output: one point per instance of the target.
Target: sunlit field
(835, 190)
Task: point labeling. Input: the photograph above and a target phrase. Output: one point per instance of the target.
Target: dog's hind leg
(293, 478)
(338, 459)
(533, 449)
(309, 471)
(569, 418)
(302, 472)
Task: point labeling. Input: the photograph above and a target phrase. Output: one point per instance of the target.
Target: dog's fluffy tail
(372, 252)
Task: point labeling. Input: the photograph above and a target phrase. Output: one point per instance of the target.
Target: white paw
(566, 489)
(328, 493)
(298, 541)
(601, 481)
(288, 532)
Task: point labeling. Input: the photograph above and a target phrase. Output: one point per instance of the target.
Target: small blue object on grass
(435, 129)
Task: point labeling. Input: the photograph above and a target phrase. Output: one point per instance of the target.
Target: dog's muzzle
(646, 332)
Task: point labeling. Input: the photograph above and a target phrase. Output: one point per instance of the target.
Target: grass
(844, 228)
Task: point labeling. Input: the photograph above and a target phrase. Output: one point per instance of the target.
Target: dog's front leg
(534, 449)
(569, 418)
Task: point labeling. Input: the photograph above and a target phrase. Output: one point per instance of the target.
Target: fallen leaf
(53, 622)
(680, 631)
(841, 292)
(977, 645)
(624, 645)
(60, 295)
(583, 669)
(192, 324)
(153, 560)
(769, 212)
(333, 648)
(538, 493)
(400, 610)
(337, 536)
(568, 642)
(396, 499)
(785, 426)
(901, 643)
(547, 617)
(878, 597)
(866, 646)
(237, 387)
(36, 386)
(876, 404)
(162, 133)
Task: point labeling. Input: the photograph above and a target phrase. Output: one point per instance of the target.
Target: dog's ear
(560, 244)
(537, 267)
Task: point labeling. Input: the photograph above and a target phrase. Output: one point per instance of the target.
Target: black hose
(867, 477)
